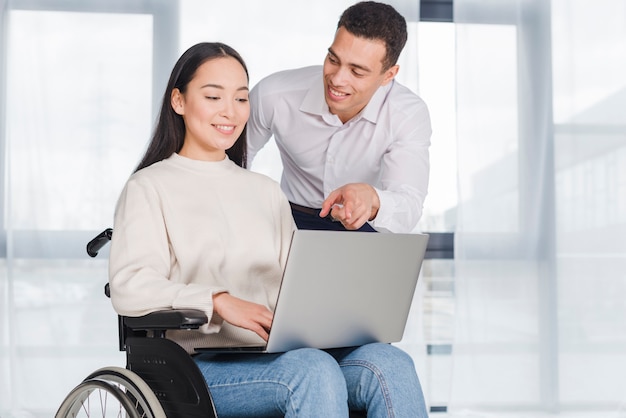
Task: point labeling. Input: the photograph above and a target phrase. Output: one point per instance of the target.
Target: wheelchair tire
(111, 391)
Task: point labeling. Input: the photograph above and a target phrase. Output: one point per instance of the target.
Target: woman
(194, 229)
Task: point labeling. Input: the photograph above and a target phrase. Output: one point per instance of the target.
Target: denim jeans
(377, 378)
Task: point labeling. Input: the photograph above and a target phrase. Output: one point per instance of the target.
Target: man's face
(353, 71)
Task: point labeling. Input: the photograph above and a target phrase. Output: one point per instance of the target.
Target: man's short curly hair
(378, 21)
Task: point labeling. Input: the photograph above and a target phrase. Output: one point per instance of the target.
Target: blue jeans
(377, 378)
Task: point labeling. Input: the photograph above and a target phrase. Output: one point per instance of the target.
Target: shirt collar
(314, 102)
(373, 109)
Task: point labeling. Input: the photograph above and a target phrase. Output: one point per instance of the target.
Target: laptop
(343, 289)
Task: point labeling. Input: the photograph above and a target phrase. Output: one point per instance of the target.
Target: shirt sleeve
(258, 128)
(141, 264)
(405, 172)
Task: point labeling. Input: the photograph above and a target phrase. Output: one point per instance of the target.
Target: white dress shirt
(385, 145)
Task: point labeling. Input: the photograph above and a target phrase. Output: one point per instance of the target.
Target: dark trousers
(308, 218)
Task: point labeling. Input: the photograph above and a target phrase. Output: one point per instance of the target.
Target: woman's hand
(244, 314)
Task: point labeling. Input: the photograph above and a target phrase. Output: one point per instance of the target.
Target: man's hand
(243, 314)
(352, 205)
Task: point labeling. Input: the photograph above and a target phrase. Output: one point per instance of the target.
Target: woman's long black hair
(169, 133)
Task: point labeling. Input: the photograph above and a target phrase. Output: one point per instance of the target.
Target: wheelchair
(160, 380)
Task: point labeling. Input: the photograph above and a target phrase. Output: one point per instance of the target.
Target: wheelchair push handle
(99, 241)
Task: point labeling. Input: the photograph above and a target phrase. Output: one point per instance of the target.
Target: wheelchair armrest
(167, 319)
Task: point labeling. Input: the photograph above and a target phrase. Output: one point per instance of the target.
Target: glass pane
(437, 87)
(62, 328)
(488, 121)
(589, 61)
(78, 112)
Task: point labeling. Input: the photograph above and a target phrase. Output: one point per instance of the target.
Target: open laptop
(343, 289)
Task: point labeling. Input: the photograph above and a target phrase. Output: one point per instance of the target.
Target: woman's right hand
(244, 314)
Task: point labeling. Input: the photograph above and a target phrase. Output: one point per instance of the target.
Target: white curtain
(78, 92)
(541, 235)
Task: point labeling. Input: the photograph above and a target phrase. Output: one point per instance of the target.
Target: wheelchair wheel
(111, 392)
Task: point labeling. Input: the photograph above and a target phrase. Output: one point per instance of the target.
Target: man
(353, 141)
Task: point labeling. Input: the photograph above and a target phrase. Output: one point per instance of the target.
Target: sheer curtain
(77, 86)
(540, 247)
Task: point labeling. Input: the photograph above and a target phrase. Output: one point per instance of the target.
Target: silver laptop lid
(344, 289)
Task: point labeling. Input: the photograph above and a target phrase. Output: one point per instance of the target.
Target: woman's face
(215, 109)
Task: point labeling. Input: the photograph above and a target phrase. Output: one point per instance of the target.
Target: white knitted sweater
(187, 229)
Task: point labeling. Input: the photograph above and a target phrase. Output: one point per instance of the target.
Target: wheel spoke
(86, 407)
(103, 404)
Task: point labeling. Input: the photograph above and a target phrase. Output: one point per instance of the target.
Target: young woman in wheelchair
(195, 229)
